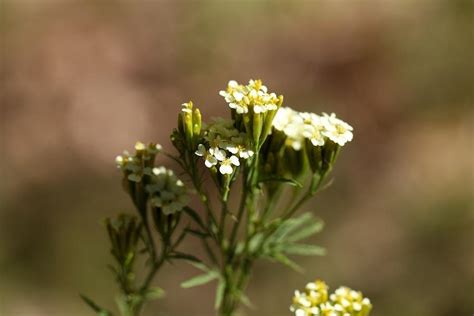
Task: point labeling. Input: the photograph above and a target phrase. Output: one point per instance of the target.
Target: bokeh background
(83, 80)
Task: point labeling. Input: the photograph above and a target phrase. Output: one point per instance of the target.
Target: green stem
(224, 211)
(240, 213)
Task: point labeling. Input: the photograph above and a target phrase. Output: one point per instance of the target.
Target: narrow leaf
(310, 229)
(290, 226)
(288, 262)
(200, 265)
(304, 250)
(195, 216)
(184, 256)
(283, 180)
(219, 294)
(197, 233)
(99, 310)
(200, 279)
(255, 242)
(154, 293)
(246, 301)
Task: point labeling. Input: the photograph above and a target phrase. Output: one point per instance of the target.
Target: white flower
(313, 128)
(291, 124)
(210, 160)
(218, 153)
(119, 160)
(336, 130)
(240, 150)
(140, 146)
(226, 165)
(223, 145)
(283, 117)
(300, 312)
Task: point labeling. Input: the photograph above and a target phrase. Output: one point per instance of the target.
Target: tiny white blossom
(336, 130)
(218, 153)
(210, 160)
(226, 165)
(119, 161)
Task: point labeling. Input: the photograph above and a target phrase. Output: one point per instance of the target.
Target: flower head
(298, 126)
(251, 97)
(223, 146)
(167, 192)
(254, 108)
(314, 301)
(336, 130)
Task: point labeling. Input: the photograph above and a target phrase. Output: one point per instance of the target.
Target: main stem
(236, 270)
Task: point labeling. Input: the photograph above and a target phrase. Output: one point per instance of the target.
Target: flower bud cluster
(223, 147)
(315, 301)
(137, 165)
(145, 182)
(186, 137)
(253, 108)
(166, 191)
(124, 234)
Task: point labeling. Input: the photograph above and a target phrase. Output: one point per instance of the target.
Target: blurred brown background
(83, 80)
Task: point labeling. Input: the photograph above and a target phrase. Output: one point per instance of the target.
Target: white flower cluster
(167, 191)
(343, 302)
(134, 165)
(253, 96)
(299, 126)
(224, 146)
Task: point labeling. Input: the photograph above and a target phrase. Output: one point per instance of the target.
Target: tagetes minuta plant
(266, 148)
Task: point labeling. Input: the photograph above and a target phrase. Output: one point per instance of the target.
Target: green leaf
(99, 310)
(315, 226)
(283, 180)
(200, 265)
(198, 233)
(219, 294)
(154, 293)
(246, 301)
(200, 279)
(255, 242)
(289, 226)
(195, 216)
(184, 256)
(303, 250)
(287, 262)
(129, 259)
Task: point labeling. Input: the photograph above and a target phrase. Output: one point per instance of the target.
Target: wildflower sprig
(159, 198)
(265, 147)
(315, 301)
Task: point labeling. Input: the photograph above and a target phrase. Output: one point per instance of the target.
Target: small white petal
(201, 150)
(219, 154)
(225, 169)
(234, 160)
